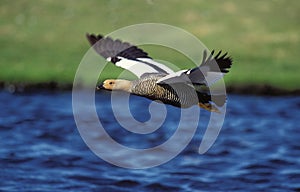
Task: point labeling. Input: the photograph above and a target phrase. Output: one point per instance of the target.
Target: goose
(156, 81)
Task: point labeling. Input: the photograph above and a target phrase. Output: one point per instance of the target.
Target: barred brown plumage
(156, 81)
(178, 95)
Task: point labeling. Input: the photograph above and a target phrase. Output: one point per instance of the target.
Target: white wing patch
(141, 66)
(159, 65)
(175, 77)
(135, 67)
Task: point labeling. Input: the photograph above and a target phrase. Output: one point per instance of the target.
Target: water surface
(41, 149)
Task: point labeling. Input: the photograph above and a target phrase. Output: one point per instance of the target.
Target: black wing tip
(92, 38)
(217, 56)
(224, 61)
(109, 47)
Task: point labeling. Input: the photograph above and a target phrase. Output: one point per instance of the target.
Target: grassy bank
(44, 41)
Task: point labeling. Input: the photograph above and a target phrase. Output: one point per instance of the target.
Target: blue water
(258, 149)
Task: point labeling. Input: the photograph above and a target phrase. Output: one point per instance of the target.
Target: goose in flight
(158, 82)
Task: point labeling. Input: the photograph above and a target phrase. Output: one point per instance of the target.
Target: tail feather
(219, 100)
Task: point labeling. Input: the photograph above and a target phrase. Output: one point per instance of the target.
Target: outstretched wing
(210, 70)
(125, 55)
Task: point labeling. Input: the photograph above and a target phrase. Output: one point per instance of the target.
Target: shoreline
(252, 89)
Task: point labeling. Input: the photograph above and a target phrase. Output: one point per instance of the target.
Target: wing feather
(210, 71)
(125, 55)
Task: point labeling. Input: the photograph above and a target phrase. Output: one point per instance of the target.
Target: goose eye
(110, 83)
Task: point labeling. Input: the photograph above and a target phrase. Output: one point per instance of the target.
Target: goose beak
(100, 86)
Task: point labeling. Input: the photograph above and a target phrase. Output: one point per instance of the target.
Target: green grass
(45, 40)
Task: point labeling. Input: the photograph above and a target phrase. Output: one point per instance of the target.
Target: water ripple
(258, 148)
